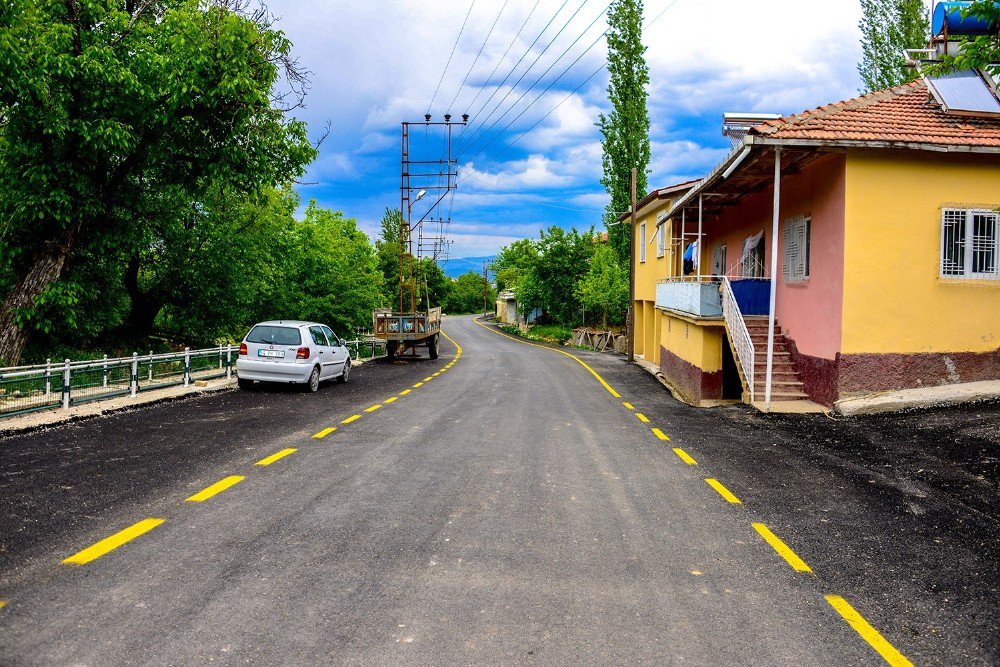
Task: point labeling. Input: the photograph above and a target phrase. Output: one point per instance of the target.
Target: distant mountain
(456, 266)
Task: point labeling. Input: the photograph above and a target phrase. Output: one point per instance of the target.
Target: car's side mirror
(343, 343)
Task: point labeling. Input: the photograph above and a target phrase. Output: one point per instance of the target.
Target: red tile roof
(906, 114)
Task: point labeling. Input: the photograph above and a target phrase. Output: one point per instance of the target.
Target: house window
(661, 245)
(752, 259)
(970, 243)
(719, 260)
(642, 241)
(795, 239)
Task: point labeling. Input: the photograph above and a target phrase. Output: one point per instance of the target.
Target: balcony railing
(697, 296)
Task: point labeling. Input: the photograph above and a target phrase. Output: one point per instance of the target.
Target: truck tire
(390, 350)
(432, 346)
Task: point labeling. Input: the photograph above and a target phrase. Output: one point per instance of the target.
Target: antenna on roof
(736, 125)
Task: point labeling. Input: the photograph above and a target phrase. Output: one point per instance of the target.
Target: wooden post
(630, 323)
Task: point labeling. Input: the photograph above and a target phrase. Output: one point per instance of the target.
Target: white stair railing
(738, 333)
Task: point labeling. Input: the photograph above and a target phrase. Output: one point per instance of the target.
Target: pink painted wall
(811, 312)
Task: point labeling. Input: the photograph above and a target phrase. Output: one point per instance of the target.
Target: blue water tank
(950, 14)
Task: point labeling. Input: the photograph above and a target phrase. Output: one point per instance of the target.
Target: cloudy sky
(376, 63)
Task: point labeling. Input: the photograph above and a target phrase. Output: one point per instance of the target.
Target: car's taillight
(302, 353)
(243, 349)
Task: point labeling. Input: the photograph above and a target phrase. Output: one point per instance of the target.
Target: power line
(530, 67)
(543, 74)
(476, 59)
(531, 198)
(450, 56)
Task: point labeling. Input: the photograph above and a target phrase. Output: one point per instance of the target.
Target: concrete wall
(691, 356)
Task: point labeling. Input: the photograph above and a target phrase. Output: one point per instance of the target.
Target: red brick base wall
(691, 382)
(863, 373)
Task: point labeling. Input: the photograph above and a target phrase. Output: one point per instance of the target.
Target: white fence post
(67, 378)
(220, 356)
(104, 379)
(134, 388)
(187, 366)
(151, 366)
(229, 361)
(48, 377)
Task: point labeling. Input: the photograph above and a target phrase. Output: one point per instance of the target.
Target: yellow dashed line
(684, 456)
(3, 603)
(113, 542)
(419, 384)
(783, 550)
(723, 491)
(571, 356)
(628, 405)
(276, 457)
(391, 399)
(428, 378)
(888, 652)
(643, 418)
(373, 408)
(352, 418)
(405, 392)
(216, 488)
(325, 432)
(660, 434)
(435, 374)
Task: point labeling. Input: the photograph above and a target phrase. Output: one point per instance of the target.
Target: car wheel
(347, 371)
(245, 385)
(312, 385)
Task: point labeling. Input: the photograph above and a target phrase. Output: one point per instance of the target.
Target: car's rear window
(271, 335)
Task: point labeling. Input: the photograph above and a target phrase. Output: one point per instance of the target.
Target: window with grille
(795, 239)
(661, 245)
(642, 241)
(970, 243)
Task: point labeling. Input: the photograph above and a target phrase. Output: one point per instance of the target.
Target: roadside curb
(924, 397)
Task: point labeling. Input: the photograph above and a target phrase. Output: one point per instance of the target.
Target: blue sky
(377, 63)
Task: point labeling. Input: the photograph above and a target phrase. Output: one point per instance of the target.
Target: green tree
(625, 131)
(888, 27)
(329, 273)
(512, 262)
(387, 248)
(550, 283)
(980, 51)
(430, 281)
(118, 118)
(466, 294)
(603, 291)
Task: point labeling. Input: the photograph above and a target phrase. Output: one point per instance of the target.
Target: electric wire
(478, 54)
(543, 74)
(451, 55)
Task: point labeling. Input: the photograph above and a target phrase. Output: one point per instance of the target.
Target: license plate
(270, 353)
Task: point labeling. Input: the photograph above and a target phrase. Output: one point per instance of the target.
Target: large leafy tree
(888, 27)
(603, 291)
(120, 119)
(466, 295)
(512, 262)
(550, 282)
(625, 130)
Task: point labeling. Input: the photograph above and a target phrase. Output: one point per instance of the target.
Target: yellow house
(849, 249)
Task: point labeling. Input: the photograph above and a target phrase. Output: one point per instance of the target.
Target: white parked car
(289, 351)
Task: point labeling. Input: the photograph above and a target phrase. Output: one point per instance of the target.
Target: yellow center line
(325, 432)
(405, 392)
(723, 491)
(352, 418)
(643, 418)
(391, 399)
(113, 542)
(428, 378)
(216, 488)
(3, 603)
(373, 408)
(688, 459)
(660, 434)
(628, 405)
(436, 374)
(783, 549)
(571, 356)
(277, 456)
(888, 652)
(419, 384)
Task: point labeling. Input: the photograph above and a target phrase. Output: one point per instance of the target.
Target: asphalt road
(511, 509)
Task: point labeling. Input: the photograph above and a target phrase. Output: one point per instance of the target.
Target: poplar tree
(888, 27)
(625, 130)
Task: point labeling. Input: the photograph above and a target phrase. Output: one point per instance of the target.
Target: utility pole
(630, 322)
(486, 291)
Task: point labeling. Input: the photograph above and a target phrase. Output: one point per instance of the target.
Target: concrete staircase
(785, 383)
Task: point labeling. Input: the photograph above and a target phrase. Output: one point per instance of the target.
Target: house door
(732, 386)
(753, 257)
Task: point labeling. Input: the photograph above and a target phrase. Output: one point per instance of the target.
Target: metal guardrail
(48, 386)
(738, 333)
